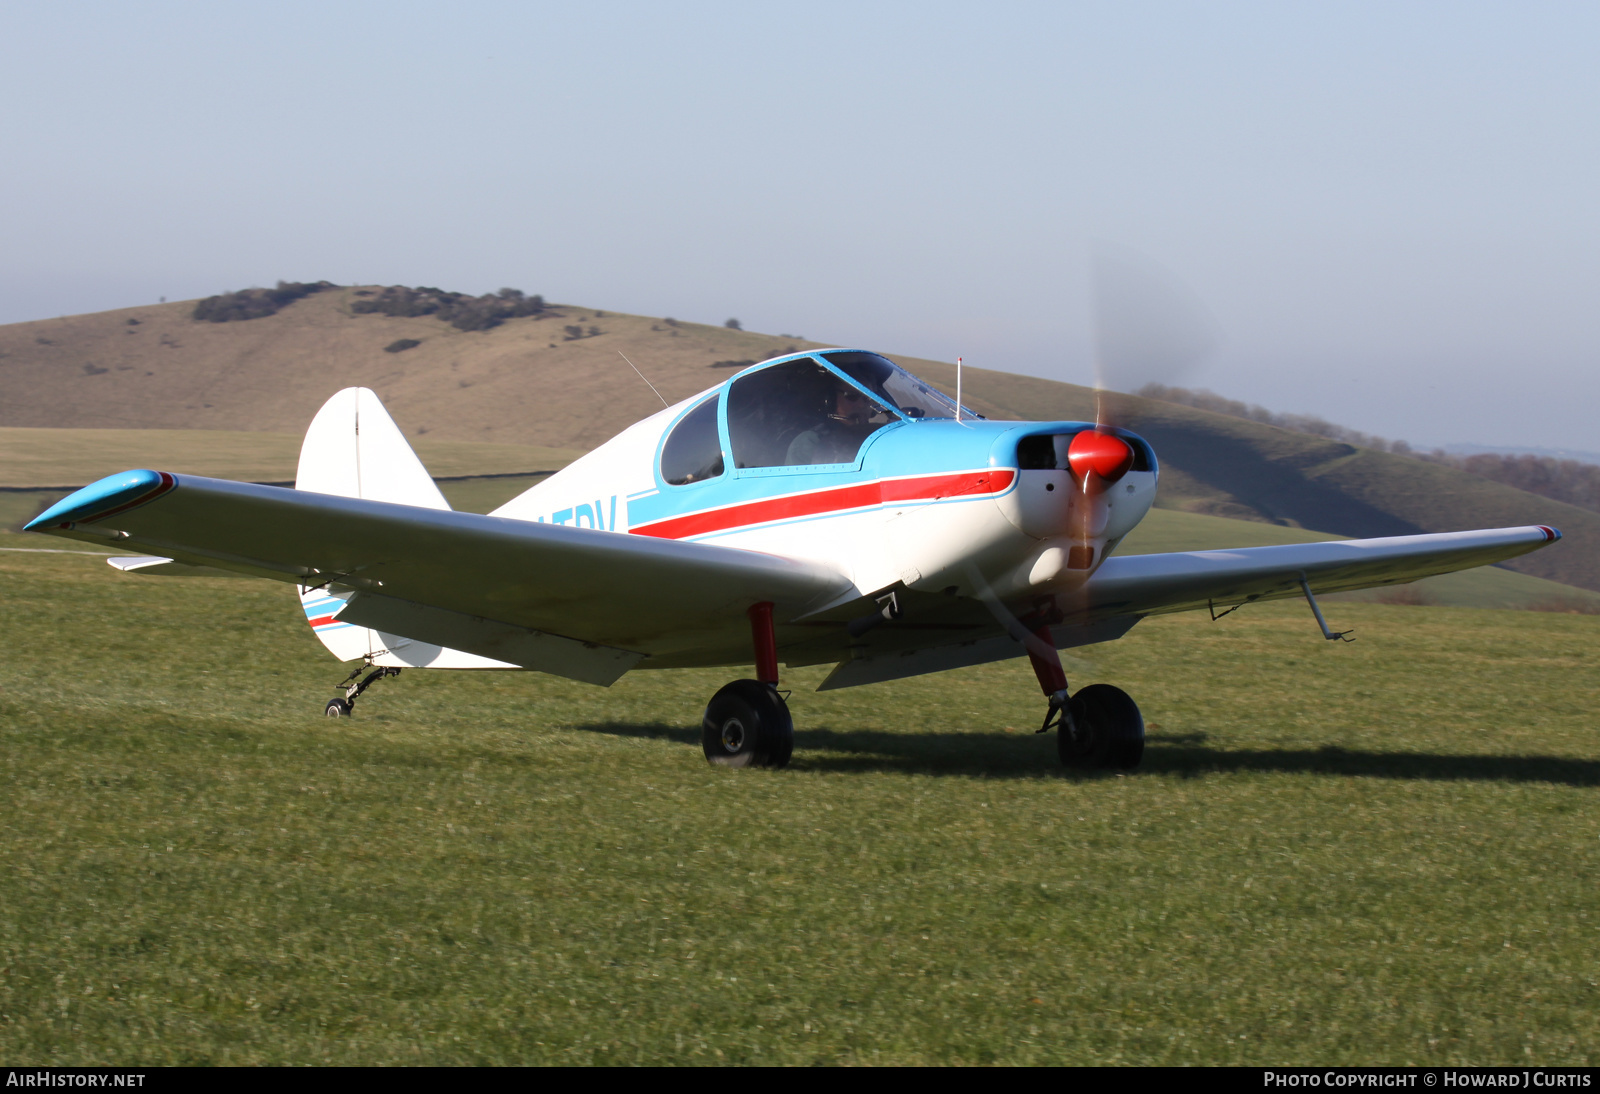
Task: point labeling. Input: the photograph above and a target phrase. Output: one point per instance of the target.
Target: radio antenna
(647, 383)
(958, 389)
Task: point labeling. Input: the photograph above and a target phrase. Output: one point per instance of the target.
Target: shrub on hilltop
(458, 309)
(255, 303)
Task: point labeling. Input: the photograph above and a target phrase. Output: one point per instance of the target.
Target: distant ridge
(541, 379)
(1512, 450)
(556, 380)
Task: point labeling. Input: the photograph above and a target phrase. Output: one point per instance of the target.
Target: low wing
(936, 633)
(590, 605)
(573, 601)
(1152, 584)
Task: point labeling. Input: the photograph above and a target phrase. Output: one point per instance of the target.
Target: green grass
(18, 507)
(76, 457)
(1384, 851)
(484, 495)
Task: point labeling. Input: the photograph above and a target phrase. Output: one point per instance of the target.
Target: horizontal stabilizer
(520, 646)
(156, 566)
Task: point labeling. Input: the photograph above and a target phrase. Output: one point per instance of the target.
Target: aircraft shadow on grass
(1022, 754)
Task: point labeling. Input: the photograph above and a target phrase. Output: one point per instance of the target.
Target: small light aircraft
(825, 507)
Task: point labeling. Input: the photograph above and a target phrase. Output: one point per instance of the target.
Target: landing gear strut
(747, 723)
(343, 708)
(1099, 727)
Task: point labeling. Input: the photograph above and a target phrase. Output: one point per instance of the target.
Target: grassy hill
(520, 383)
(528, 383)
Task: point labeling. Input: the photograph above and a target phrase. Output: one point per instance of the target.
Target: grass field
(77, 457)
(1384, 851)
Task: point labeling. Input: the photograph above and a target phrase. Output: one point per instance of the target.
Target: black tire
(1109, 730)
(747, 724)
(338, 708)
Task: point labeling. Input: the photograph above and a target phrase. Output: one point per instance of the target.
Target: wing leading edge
(1180, 581)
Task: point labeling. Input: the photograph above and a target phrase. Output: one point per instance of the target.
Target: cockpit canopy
(812, 411)
(805, 413)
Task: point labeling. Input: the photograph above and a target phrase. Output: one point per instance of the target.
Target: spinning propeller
(1147, 328)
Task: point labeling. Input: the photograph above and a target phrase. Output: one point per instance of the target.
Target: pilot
(838, 437)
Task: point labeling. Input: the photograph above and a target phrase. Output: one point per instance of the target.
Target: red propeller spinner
(1108, 457)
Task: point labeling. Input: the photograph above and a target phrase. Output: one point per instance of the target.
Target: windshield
(799, 414)
(894, 385)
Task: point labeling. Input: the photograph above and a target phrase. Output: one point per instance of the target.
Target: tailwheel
(747, 724)
(345, 707)
(1105, 729)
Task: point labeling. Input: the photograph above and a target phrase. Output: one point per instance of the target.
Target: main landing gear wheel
(337, 708)
(747, 724)
(1106, 729)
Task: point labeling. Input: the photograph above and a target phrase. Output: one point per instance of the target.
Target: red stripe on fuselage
(821, 502)
(321, 621)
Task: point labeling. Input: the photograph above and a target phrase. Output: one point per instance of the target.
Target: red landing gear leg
(1053, 681)
(765, 642)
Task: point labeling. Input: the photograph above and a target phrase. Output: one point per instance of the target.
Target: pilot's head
(851, 405)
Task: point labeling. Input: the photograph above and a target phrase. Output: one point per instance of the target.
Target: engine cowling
(1079, 491)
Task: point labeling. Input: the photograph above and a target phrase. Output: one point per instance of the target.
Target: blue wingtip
(112, 494)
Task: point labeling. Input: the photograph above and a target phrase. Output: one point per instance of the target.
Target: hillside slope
(528, 383)
(520, 383)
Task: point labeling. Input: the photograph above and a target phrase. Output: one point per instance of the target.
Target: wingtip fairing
(109, 496)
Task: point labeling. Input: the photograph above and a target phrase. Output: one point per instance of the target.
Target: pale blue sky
(1389, 208)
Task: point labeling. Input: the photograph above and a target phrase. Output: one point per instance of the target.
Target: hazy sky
(1389, 208)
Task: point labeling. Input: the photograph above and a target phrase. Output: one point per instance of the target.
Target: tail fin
(354, 450)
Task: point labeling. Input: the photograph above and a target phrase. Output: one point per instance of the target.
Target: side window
(799, 414)
(692, 451)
